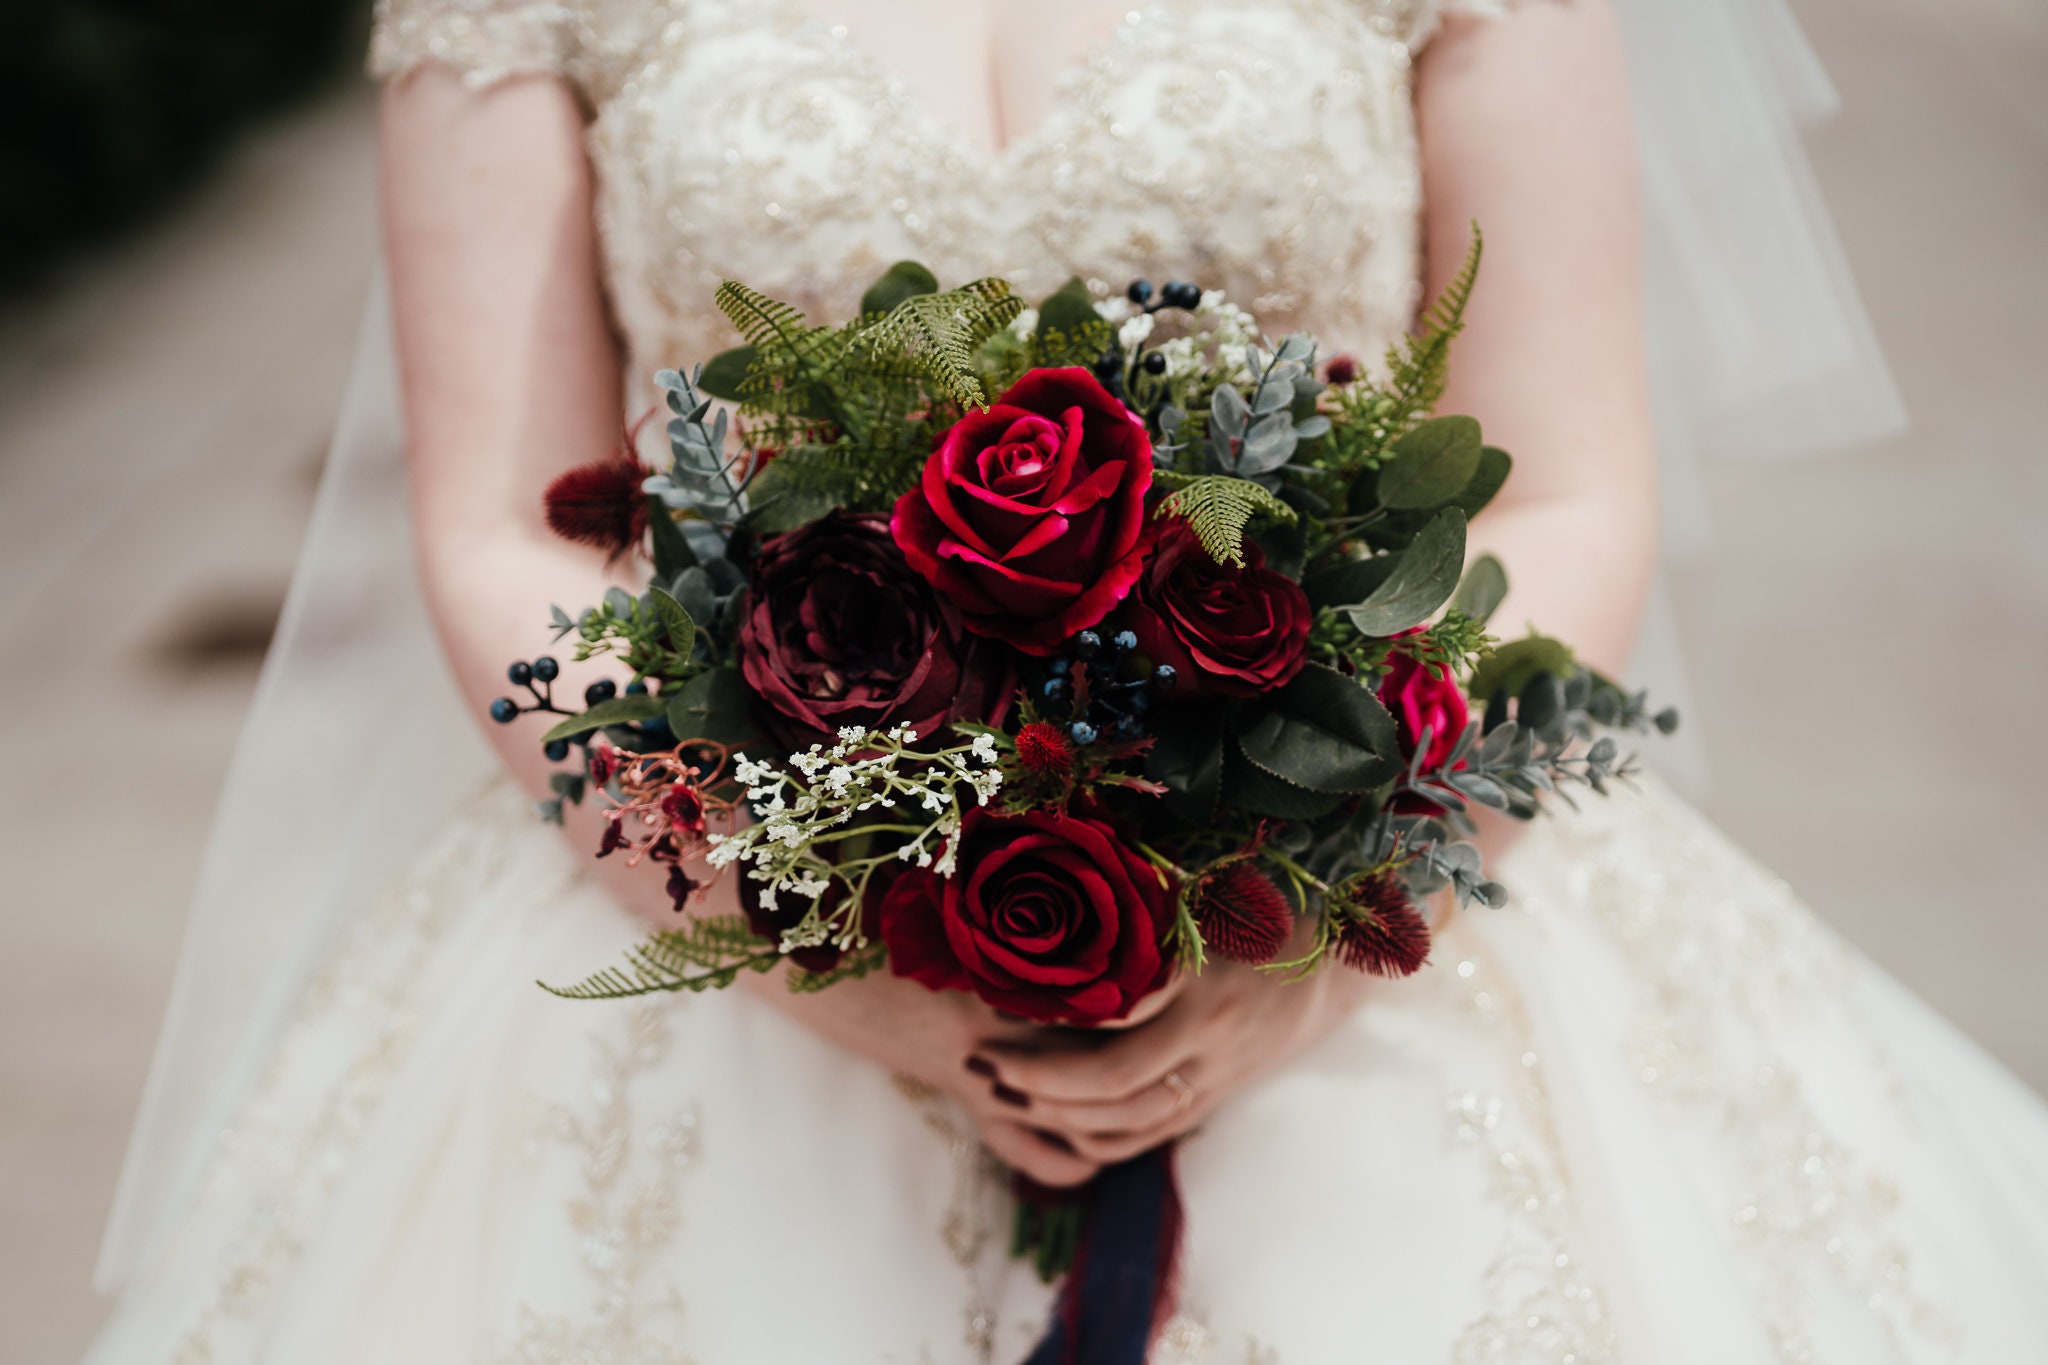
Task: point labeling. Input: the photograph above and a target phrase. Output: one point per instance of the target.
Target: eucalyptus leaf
(617, 711)
(1269, 445)
(1423, 581)
(903, 280)
(1350, 583)
(1431, 464)
(1481, 590)
(725, 372)
(1508, 669)
(682, 630)
(713, 705)
(1494, 467)
(1068, 309)
(672, 554)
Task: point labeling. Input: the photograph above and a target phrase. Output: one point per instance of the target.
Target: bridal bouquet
(1041, 652)
(1045, 652)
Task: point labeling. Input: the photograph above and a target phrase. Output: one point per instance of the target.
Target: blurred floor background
(1868, 647)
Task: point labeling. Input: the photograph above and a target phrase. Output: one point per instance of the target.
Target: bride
(1650, 1112)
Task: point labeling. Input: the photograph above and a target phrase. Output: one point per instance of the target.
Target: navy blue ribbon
(1115, 1294)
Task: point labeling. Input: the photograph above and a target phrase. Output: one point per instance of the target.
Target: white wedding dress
(1652, 1112)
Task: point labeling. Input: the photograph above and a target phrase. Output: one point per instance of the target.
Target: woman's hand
(1113, 1095)
(935, 1037)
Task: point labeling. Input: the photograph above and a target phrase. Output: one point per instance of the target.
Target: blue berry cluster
(538, 678)
(1117, 700)
(1109, 368)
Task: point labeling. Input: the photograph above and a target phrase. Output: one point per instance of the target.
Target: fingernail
(982, 1066)
(1015, 1098)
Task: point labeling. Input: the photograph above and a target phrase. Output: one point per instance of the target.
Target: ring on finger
(1183, 1093)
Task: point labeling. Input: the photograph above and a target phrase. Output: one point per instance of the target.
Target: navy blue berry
(504, 710)
(546, 669)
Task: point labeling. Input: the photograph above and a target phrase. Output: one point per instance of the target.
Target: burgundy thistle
(600, 504)
(1242, 915)
(840, 631)
(1377, 927)
(1043, 750)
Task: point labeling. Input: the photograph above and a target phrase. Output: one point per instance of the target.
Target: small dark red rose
(1227, 630)
(1049, 916)
(1424, 697)
(839, 631)
(1030, 515)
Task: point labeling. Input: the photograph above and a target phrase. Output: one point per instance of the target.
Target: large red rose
(1049, 916)
(840, 631)
(1424, 697)
(1030, 515)
(1226, 630)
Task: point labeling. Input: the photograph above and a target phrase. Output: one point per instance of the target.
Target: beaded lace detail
(1266, 147)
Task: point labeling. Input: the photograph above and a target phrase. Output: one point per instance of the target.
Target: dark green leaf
(1424, 580)
(714, 706)
(1494, 467)
(682, 631)
(672, 554)
(1322, 732)
(1349, 583)
(1508, 669)
(1431, 463)
(1260, 793)
(903, 280)
(617, 711)
(1187, 755)
(1068, 309)
(1482, 588)
(725, 372)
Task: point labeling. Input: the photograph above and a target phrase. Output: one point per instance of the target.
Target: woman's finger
(1173, 1094)
(1050, 1162)
(1104, 1070)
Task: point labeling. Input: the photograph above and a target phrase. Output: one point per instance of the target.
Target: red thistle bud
(1378, 930)
(1341, 370)
(1242, 915)
(600, 504)
(605, 762)
(1043, 750)
(681, 886)
(684, 808)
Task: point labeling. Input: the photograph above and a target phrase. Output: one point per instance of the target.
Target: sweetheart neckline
(840, 38)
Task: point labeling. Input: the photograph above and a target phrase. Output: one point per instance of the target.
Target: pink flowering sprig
(663, 807)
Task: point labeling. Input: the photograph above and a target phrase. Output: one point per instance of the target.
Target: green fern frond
(1418, 365)
(708, 954)
(1218, 507)
(939, 334)
(853, 965)
(763, 321)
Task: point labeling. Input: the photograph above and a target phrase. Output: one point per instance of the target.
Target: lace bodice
(1265, 147)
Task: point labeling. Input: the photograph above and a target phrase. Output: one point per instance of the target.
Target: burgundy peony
(1050, 916)
(1030, 515)
(1226, 630)
(839, 630)
(1424, 696)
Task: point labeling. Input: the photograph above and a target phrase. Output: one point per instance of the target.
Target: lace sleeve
(484, 40)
